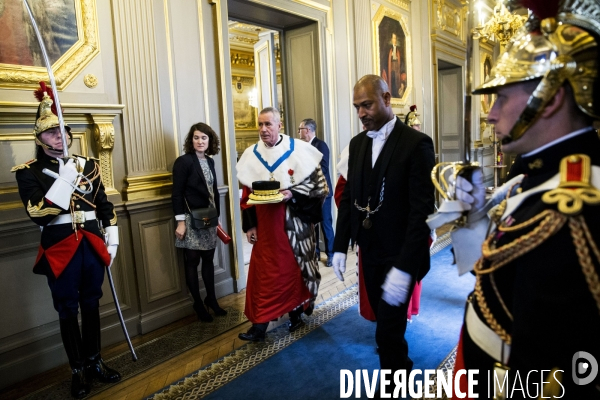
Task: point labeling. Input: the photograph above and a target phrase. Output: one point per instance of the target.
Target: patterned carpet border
(216, 375)
(151, 353)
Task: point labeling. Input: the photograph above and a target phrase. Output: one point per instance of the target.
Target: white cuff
(60, 193)
(112, 235)
(467, 242)
(180, 217)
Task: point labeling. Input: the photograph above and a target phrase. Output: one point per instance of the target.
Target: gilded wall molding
(403, 4)
(450, 17)
(90, 81)
(70, 64)
(104, 136)
(141, 187)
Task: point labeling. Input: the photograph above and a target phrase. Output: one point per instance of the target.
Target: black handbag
(203, 218)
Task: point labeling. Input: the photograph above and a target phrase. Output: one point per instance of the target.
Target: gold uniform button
(78, 206)
(81, 226)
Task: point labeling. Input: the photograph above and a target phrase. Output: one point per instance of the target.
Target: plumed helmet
(412, 117)
(558, 44)
(46, 117)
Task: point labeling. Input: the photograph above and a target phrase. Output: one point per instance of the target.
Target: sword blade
(466, 156)
(61, 121)
(118, 307)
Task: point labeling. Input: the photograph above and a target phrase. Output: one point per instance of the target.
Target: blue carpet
(310, 367)
(435, 332)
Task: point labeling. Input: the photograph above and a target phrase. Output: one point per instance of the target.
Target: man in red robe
(283, 275)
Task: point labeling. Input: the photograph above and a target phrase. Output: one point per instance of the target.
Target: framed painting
(393, 53)
(244, 102)
(487, 100)
(69, 29)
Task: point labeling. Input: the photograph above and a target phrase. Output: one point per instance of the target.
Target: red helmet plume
(39, 95)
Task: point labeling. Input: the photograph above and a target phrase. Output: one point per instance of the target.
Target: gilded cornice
(141, 187)
(69, 65)
(449, 18)
(403, 4)
(243, 39)
(23, 113)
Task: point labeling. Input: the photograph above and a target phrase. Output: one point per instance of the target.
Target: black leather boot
(71, 337)
(98, 370)
(94, 365)
(80, 386)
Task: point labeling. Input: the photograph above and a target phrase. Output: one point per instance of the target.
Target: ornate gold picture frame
(70, 32)
(487, 100)
(244, 113)
(392, 49)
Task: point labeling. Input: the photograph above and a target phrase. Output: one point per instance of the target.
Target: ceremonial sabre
(61, 123)
(114, 293)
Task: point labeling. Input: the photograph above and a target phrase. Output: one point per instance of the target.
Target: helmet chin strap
(48, 147)
(539, 99)
(529, 115)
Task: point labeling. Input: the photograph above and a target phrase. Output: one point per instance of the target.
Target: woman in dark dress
(195, 186)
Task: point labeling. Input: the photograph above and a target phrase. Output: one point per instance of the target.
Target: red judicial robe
(275, 284)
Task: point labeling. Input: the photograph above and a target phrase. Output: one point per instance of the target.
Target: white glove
(62, 188)
(111, 238)
(472, 194)
(395, 288)
(112, 250)
(339, 265)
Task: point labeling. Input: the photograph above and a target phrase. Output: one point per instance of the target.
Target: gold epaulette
(87, 158)
(574, 188)
(22, 166)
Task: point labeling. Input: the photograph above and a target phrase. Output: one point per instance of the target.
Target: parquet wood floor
(152, 380)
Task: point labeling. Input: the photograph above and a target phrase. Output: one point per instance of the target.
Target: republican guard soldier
(66, 198)
(534, 316)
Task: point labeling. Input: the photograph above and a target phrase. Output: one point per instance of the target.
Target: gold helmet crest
(559, 44)
(46, 117)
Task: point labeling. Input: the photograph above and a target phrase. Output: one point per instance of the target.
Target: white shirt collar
(384, 131)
